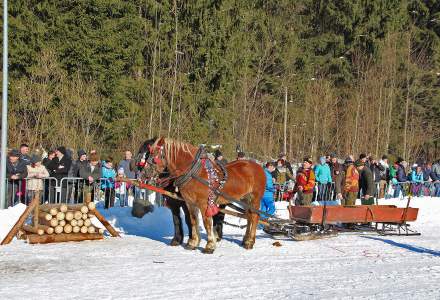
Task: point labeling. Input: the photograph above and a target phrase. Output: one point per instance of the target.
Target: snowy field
(142, 266)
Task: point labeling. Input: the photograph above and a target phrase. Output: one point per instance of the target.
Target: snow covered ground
(142, 266)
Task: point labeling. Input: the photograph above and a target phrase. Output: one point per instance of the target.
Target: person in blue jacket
(108, 175)
(417, 180)
(323, 177)
(267, 202)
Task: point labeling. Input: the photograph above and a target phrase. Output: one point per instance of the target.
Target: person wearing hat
(241, 156)
(218, 155)
(15, 171)
(351, 183)
(366, 183)
(305, 183)
(36, 171)
(62, 166)
(74, 172)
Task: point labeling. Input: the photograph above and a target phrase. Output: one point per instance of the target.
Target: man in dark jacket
(62, 166)
(24, 154)
(283, 156)
(366, 184)
(76, 184)
(401, 177)
(376, 169)
(337, 173)
(16, 170)
(91, 172)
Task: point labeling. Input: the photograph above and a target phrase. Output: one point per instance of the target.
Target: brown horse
(246, 182)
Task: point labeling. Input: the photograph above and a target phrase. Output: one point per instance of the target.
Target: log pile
(66, 222)
(51, 223)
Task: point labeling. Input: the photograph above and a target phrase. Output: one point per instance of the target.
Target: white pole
(4, 108)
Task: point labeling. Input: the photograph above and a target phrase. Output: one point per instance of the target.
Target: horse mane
(170, 144)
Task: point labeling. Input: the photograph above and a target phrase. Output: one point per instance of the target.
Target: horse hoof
(175, 242)
(208, 251)
(189, 247)
(248, 245)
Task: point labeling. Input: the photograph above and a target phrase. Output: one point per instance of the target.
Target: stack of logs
(62, 222)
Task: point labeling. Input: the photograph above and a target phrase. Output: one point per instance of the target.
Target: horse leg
(247, 199)
(177, 221)
(194, 240)
(252, 222)
(187, 219)
(210, 245)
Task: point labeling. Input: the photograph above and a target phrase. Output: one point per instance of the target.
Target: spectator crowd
(329, 178)
(30, 174)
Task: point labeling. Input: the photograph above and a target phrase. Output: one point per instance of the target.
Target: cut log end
(84, 209)
(69, 216)
(74, 222)
(87, 222)
(68, 228)
(62, 223)
(91, 229)
(91, 205)
(75, 229)
(59, 229)
(61, 216)
(63, 208)
(77, 215)
(80, 223)
(84, 229)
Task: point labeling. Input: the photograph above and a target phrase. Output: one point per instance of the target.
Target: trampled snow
(141, 265)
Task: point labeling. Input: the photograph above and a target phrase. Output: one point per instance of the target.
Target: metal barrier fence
(415, 189)
(382, 190)
(73, 190)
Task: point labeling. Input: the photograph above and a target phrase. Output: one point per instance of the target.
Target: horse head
(150, 159)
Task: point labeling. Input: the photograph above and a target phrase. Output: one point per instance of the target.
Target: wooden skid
(353, 214)
(58, 238)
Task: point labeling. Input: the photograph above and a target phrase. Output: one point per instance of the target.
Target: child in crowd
(122, 188)
(108, 175)
(36, 172)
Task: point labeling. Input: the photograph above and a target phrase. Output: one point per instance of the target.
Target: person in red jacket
(305, 182)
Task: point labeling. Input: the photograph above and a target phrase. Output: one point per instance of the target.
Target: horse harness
(215, 181)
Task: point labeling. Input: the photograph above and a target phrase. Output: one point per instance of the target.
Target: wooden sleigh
(312, 222)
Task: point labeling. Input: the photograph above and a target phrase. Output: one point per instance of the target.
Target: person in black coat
(366, 183)
(16, 171)
(62, 164)
(77, 185)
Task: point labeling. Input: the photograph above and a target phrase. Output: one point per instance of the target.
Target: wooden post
(20, 222)
(36, 210)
